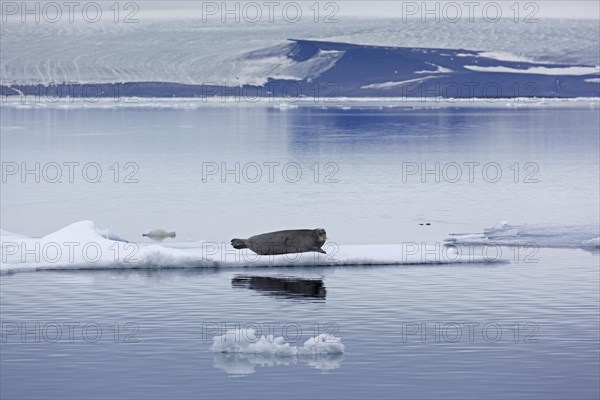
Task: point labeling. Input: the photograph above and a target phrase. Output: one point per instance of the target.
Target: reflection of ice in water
(239, 351)
(245, 363)
(325, 362)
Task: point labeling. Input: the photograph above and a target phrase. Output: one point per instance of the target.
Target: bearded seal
(159, 235)
(284, 242)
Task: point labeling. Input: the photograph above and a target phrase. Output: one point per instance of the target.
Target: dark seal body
(284, 242)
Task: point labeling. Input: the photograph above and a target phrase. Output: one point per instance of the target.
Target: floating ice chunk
(539, 235)
(245, 341)
(595, 242)
(322, 344)
(464, 238)
(84, 246)
(238, 351)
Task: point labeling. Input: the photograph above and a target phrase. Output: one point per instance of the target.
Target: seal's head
(321, 235)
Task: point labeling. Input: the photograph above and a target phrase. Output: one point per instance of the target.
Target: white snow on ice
(438, 70)
(505, 56)
(82, 245)
(258, 66)
(574, 71)
(392, 84)
(502, 56)
(188, 51)
(539, 235)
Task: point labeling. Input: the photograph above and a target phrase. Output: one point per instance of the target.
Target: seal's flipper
(319, 250)
(239, 243)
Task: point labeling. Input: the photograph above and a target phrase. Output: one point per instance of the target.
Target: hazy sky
(546, 8)
(428, 10)
(589, 9)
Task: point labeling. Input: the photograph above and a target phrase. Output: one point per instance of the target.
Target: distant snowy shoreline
(283, 104)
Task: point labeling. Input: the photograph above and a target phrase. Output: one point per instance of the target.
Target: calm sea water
(523, 329)
(367, 176)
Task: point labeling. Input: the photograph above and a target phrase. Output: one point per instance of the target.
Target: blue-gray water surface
(528, 328)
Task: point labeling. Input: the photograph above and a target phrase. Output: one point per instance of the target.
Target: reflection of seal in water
(290, 287)
(284, 242)
(159, 235)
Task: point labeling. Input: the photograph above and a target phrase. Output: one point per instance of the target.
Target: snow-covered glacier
(320, 69)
